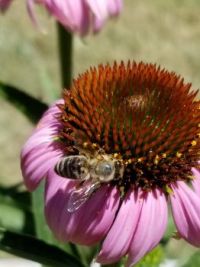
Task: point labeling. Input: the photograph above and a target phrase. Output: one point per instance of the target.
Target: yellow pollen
(164, 155)
(122, 191)
(156, 160)
(85, 144)
(140, 159)
(194, 143)
(56, 138)
(129, 161)
(191, 177)
(199, 125)
(116, 155)
(198, 134)
(94, 145)
(168, 190)
(178, 154)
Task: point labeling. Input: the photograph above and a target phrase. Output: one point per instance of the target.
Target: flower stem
(65, 41)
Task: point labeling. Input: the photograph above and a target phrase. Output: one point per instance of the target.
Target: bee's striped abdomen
(72, 167)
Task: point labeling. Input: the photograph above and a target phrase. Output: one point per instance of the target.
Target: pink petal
(196, 181)
(90, 223)
(73, 14)
(4, 5)
(115, 7)
(30, 9)
(151, 226)
(41, 152)
(186, 212)
(101, 10)
(99, 13)
(120, 235)
(36, 162)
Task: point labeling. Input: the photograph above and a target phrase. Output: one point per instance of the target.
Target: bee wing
(79, 196)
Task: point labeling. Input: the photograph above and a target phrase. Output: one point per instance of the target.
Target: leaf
(7, 214)
(15, 203)
(16, 196)
(153, 258)
(36, 250)
(28, 105)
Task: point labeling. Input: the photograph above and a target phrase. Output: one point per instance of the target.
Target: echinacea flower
(79, 16)
(146, 121)
(4, 5)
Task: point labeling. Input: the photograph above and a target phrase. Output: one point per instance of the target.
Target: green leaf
(194, 261)
(153, 259)
(42, 230)
(16, 195)
(15, 203)
(7, 214)
(28, 105)
(36, 250)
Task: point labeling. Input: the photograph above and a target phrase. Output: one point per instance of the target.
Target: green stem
(65, 47)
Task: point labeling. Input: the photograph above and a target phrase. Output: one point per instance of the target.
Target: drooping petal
(73, 14)
(114, 7)
(196, 181)
(78, 15)
(30, 9)
(101, 10)
(41, 151)
(90, 223)
(4, 5)
(151, 226)
(120, 235)
(186, 212)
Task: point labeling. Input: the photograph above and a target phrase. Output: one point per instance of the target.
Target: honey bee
(91, 171)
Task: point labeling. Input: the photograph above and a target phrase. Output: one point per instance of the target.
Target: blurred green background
(162, 32)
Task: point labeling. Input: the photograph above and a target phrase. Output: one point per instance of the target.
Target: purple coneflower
(79, 16)
(141, 121)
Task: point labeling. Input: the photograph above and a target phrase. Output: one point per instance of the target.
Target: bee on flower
(121, 145)
(91, 171)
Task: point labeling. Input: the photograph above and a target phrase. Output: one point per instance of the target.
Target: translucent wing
(79, 196)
